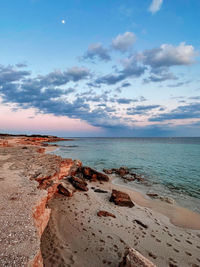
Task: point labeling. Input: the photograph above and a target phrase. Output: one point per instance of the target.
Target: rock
(122, 171)
(100, 191)
(93, 175)
(66, 189)
(107, 171)
(133, 258)
(141, 224)
(78, 183)
(165, 199)
(121, 199)
(103, 213)
(153, 195)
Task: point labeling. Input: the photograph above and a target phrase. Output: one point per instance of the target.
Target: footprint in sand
(189, 242)
(176, 250)
(188, 253)
(177, 240)
(152, 255)
(172, 264)
(158, 240)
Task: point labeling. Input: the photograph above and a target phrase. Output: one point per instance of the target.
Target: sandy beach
(76, 236)
(66, 231)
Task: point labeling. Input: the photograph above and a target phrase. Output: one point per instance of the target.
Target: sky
(109, 68)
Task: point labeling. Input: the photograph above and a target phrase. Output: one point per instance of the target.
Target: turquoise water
(171, 166)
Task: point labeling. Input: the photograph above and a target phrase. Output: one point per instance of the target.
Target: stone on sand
(121, 199)
(133, 258)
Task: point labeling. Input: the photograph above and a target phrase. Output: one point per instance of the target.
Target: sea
(169, 166)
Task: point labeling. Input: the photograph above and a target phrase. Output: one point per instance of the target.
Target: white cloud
(155, 6)
(168, 55)
(124, 42)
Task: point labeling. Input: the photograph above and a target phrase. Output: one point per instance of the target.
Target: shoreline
(177, 214)
(153, 213)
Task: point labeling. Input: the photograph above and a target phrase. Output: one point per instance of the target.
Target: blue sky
(100, 68)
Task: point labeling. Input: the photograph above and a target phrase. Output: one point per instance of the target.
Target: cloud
(125, 100)
(191, 111)
(160, 76)
(11, 74)
(141, 109)
(97, 50)
(179, 84)
(58, 78)
(130, 71)
(123, 42)
(155, 6)
(168, 55)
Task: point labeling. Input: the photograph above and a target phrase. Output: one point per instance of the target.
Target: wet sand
(76, 236)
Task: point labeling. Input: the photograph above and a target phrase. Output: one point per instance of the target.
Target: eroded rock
(121, 199)
(66, 189)
(93, 175)
(103, 213)
(78, 183)
(133, 258)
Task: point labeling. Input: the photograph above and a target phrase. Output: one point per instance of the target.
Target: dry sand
(76, 236)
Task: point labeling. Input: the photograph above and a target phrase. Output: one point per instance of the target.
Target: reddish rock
(133, 258)
(103, 213)
(121, 199)
(66, 189)
(93, 175)
(78, 183)
(107, 171)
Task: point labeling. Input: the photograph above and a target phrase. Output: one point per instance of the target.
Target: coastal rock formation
(93, 175)
(103, 213)
(29, 178)
(78, 183)
(133, 258)
(66, 189)
(121, 199)
(125, 173)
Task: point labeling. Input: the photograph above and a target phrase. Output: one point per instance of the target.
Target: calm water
(171, 166)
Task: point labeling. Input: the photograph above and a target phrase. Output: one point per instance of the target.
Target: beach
(67, 231)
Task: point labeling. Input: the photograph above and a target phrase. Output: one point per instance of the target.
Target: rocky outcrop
(66, 189)
(103, 213)
(93, 175)
(121, 199)
(133, 258)
(78, 183)
(125, 173)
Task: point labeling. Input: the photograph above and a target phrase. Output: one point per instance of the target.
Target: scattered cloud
(168, 55)
(97, 50)
(155, 6)
(141, 109)
(123, 42)
(190, 111)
